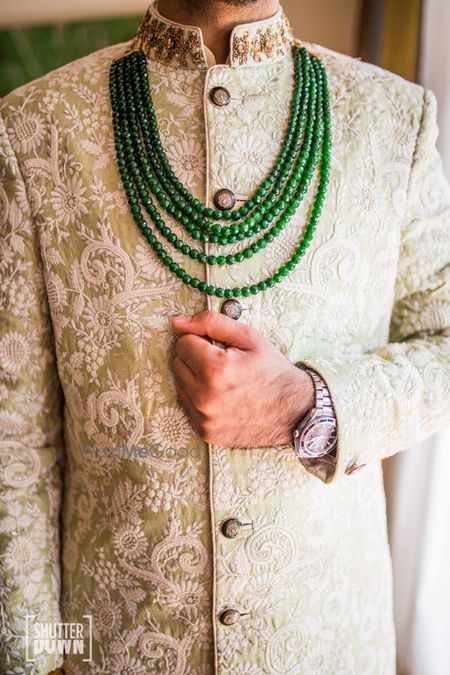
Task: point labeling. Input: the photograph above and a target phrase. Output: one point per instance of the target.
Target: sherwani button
(229, 616)
(231, 527)
(231, 308)
(224, 199)
(220, 96)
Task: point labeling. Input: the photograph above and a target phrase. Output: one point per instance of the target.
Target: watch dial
(318, 437)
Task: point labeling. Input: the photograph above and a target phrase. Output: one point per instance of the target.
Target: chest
(111, 297)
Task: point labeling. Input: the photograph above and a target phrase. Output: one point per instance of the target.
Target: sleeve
(30, 432)
(399, 394)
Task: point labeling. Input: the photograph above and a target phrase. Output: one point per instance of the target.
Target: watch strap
(323, 398)
(323, 407)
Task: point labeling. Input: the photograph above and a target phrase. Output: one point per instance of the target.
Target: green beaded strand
(171, 237)
(124, 138)
(292, 138)
(229, 235)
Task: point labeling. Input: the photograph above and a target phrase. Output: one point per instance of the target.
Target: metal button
(231, 527)
(231, 308)
(220, 96)
(224, 199)
(229, 616)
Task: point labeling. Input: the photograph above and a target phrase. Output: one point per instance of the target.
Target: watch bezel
(314, 417)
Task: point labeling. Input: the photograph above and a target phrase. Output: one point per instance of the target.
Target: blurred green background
(29, 52)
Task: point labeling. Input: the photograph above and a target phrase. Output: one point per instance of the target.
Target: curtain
(418, 490)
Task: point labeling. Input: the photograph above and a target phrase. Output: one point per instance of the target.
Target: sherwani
(86, 348)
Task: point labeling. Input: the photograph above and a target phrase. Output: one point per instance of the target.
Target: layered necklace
(148, 178)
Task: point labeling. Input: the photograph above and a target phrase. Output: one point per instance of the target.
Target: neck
(217, 18)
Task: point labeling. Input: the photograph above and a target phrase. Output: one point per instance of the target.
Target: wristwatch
(316, 433)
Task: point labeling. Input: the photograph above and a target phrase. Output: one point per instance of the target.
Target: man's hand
(243, 396)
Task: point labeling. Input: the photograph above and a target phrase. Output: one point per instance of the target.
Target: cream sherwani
(86, 349)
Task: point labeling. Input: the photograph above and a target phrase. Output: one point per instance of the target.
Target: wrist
(297, 400)
(309, 395)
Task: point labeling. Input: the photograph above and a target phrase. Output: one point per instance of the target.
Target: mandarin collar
(182, 46)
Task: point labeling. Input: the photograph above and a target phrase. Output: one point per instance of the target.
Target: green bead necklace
(146, 172)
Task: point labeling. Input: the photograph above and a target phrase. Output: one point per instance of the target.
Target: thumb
(219, 327)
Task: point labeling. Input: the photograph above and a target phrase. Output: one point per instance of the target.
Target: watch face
(318, 436)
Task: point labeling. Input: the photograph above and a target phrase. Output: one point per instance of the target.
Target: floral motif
(170, 428)
(106, 613)
(15, 352)
(187, 158)
(101, 318)
(68, 201)
(129, 541)
(126, 665)
(20, 557)
(28, 133)
(188, 599)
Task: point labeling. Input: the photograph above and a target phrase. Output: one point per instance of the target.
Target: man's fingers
(218, 327)
(183, 374)
(195, 351)
(187, 404)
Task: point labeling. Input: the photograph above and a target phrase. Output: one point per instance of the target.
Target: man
(223, 507)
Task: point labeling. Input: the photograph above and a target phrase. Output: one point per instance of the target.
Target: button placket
(231, 527)
(220, 198)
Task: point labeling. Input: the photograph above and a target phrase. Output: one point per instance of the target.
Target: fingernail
(181, 318)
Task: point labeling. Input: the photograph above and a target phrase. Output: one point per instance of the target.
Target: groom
(264, 551)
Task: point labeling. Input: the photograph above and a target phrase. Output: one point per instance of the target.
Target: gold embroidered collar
(181, 45)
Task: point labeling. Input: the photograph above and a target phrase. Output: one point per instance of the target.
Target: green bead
(145, 172)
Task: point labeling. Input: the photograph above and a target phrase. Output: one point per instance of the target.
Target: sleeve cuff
(334, 463)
